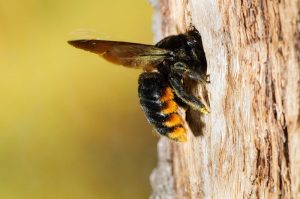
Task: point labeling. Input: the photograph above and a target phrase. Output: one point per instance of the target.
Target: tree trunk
(249, 146)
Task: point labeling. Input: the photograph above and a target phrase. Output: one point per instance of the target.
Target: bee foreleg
(190, 100)
(184, 70)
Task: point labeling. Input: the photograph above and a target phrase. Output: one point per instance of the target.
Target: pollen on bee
(168, 95)
(178, 134)
(173, 120)
(204, 110)
(170, 107)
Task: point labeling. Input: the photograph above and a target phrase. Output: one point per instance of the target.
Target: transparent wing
(131, 55)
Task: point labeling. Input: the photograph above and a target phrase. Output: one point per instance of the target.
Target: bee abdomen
(158, 103)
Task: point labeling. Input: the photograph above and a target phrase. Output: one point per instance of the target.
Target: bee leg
(192, 101)
(183, 70)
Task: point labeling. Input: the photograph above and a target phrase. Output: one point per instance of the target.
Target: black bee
(165, 66)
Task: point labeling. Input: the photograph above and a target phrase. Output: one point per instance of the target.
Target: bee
(160, 86)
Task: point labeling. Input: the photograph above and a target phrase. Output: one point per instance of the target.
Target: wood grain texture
(250, 144)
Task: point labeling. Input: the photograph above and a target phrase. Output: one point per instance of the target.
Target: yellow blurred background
(70, 123)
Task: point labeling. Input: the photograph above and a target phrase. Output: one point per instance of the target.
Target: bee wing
(131, 55)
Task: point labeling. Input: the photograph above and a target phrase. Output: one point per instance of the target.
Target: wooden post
(250, 144)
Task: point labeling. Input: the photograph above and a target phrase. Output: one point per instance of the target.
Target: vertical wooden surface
(250, 145)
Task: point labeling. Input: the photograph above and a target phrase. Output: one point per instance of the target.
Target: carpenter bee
(165, 65)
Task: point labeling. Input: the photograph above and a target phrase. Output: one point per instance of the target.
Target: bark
(249, 146)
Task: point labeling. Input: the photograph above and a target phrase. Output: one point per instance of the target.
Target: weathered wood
(250, 147)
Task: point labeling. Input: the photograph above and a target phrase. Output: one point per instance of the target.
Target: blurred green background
(70, 123)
